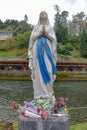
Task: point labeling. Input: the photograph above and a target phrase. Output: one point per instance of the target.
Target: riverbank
(26, 75)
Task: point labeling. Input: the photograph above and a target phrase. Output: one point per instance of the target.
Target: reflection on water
(19, 91)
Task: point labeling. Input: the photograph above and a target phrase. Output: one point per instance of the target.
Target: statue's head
(43, 17)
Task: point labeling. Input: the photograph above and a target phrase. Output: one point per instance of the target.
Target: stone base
(51, 123)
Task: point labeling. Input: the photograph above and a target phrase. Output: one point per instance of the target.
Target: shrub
(65, 52)
(62, 50)
(23, 40)
(68, 47)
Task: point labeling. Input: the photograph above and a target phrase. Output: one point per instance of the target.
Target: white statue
(42, 57)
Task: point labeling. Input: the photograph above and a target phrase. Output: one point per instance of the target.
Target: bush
(59, 48)
(62, 50)
(68, 47)
(23, 40)
(65, 52)
(10, 43)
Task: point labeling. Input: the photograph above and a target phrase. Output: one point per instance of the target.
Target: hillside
(15, 53)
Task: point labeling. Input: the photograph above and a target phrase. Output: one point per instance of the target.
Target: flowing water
(20, 91)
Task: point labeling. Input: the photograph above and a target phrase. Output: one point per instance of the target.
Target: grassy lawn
(82, 126)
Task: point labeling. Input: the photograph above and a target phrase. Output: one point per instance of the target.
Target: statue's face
(43, 15)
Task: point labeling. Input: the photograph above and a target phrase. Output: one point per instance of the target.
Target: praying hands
(43, 32)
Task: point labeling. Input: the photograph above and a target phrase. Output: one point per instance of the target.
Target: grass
(2, 124)
(76, 56)
(82, 126)
(14, 53)
(2, 54)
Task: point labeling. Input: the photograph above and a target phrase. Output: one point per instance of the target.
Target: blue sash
(41, 47)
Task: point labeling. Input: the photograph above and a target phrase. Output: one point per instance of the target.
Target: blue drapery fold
(41, 47)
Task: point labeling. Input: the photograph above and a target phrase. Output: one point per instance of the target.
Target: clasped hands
(43, 32)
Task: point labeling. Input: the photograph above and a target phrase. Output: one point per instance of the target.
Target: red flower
(56, 111)
(38, 109)
(15, 106)
(24, 114)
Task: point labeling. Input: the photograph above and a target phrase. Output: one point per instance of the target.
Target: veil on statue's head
(47, 22)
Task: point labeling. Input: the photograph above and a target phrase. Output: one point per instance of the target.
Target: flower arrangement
(31, 110)
(61, 103)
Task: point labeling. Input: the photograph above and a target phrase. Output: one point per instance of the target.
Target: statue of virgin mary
(42, 57)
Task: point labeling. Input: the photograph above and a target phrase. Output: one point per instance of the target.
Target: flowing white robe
(40, 88)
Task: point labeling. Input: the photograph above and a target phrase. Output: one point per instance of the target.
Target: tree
(11, 25)
(83, 45)
(1, 24)
(10, 43)
(60, 25)
(25, 18)
(75, 27)
(23, 27)
(23, 40)
(78, 21)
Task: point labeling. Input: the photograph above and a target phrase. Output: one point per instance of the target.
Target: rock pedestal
(51, 123)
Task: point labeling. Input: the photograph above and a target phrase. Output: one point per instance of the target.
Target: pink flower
(63, 103)
(44, 114)
(55, 103)
(66, 99)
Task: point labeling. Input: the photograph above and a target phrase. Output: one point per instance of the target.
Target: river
(19, 91)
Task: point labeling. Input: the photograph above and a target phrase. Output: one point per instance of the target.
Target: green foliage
(77, 46)
(59, 48)
(73, 39)
(61, 34)
(22, 53)
(9, 24)
(62, 74)
(10, 43)
(68, 47)
(23, 27)
(76, 54)
(82, 126)
(65, 52)
(23, 40)
(62, 50)
(1, 24)
(60, 25)
(71, 76)
(83, 45)
(15, 26)
(2, 47)
(2, 54)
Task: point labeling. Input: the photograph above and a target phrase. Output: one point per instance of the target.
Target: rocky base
(50, 123)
